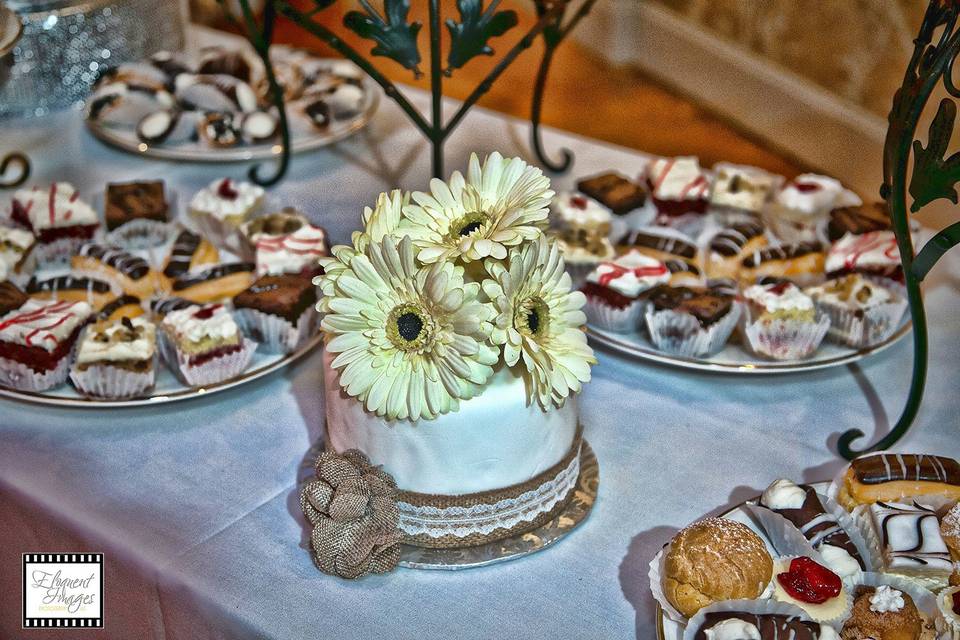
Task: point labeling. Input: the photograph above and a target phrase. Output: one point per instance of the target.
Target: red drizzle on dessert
(226, 190)
(579, 202)
(780, 288)
(618, 271)
(810, 582)
(207, 312)
(606, 294)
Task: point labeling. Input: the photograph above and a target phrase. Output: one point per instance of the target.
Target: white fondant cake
(495, 440)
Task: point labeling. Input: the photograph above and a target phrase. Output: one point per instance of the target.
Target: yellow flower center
(467, 225)
(532, 317)
(409, 327)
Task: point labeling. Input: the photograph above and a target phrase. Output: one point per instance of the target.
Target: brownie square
(11, 297)
(858, 220)
(614, 191)
(133, 201)
(706, 305)
(286, 296)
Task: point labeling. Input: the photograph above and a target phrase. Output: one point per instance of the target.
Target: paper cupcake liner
(925, 601)
(220, 233)
(786, 538)
(210, 372)
(837, 620)
(681, 333)
(59, 251)
(579, 271)
(104, 381)
(872, 561)
(19, 376)
(141, 234)
(867, 328)
(950, 620)
(758, 607)
(610, 318)
(786, 229)
(276, 334)
(785, 339)
(655, 574)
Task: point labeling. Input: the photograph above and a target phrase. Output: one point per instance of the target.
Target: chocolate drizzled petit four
(135, 201)
(660, 244)
(764, 626)
(730, 245)
(160, 307)
(73, 289)
(802, 262)
(858, 220)
(911, 540)
(130, 272)
(11, 297)
(614, 191)
(889, 477)
(126, 306)
(682, 273)
(284, 296)
(189, 251)
(213, 283)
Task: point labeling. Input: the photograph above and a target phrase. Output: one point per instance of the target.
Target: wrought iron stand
(396, 38)
(932, 177)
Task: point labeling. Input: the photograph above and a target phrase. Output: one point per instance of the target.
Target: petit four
(678, 186)
(781, 321)
(740, 190)
(216, 282)
(204, 344)
(858, 220)
(873, 253)
(802, 263)
(948, 601)
(55, 215)
(614, 289)
(189, 252)
(736, 625)
(804, 508)
(659, 243)
(11, 297)
(861, 312)
(135, 201)
(729, 246)
(295, 253)
(803, 204)
(223, 206)
(950, 530)
(278, 311)
(713, 560)
(890, 477)
(278, 223)
(70, 288)
(882, 613)
(116, 358)
(805, 583)
(582, 234)
(690, 321)
(911, 542)
(130, 273)
(616, 192)
(125, 306)
(579, 210)
(16, 246)
(36, 341)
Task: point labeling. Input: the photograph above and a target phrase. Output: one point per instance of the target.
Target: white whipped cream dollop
(186, 324)
(774, 297)
(812, 194)
(886, 599)
(573, 207)
(209, 200)
(783, 494)
(839, 561)
(733, 629)
(631, 274)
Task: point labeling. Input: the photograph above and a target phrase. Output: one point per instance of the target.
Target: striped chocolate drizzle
(126, 263)
(67, 283)
(785, 252)
(893, 467)
(673, 246)
(917, 514)
(732, 240)
(111, 307)
(181, 254)
(219, 271)
(681, 266)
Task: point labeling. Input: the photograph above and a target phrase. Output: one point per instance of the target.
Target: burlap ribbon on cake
(352, 506)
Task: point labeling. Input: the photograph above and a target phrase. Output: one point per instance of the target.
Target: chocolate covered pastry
(614, 191)
(682, 273)
(69, 288)
(134, 201)
(768, 626)
(858, 220)
(911, 540)
(126, 306)
(662, 246)
(160, 307)
(215, 283)
(189, 251)
(729, 245)
(888, 477)
(801, 262)
(129, 272)
(11, 297)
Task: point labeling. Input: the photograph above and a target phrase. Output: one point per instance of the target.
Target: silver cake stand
(577, 510)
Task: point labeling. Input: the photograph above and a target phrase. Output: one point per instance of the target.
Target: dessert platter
(139, 307)
(732, 269)
(873, 554)
(214, 106)
(453, 361)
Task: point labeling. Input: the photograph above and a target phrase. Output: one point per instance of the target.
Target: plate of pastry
(732, 269)
(213, 105)
(873, 554)
(139, 305)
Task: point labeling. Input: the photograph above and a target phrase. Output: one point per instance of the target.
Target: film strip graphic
(48, 622)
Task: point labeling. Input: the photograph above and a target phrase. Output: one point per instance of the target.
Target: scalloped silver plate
(585, 494)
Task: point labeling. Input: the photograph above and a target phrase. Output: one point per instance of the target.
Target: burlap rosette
(353, 509)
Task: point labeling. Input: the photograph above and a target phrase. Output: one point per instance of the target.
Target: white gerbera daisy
(378, 222)
(539, 318)
(498, 205)
(410, 342)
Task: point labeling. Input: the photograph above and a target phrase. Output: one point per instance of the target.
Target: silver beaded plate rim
(667, 629)
(520, 545)
(10, 30)
(735, 360)
(126, 139)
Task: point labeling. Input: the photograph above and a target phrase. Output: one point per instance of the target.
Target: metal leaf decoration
(396, 38)
(933, 177)
(469, 37)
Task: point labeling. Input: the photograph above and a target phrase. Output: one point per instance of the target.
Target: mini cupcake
(862, 313)
(278, 223)
(804, 204)
(204, 345)
(949, 603)
(679, 188)
(58, 218)
(614, 290)
(278, 311)
(116, 359)
(690, 321)
(740, 193)
(222, 207)
(137, 214)
(37, 341)
(780, 321)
